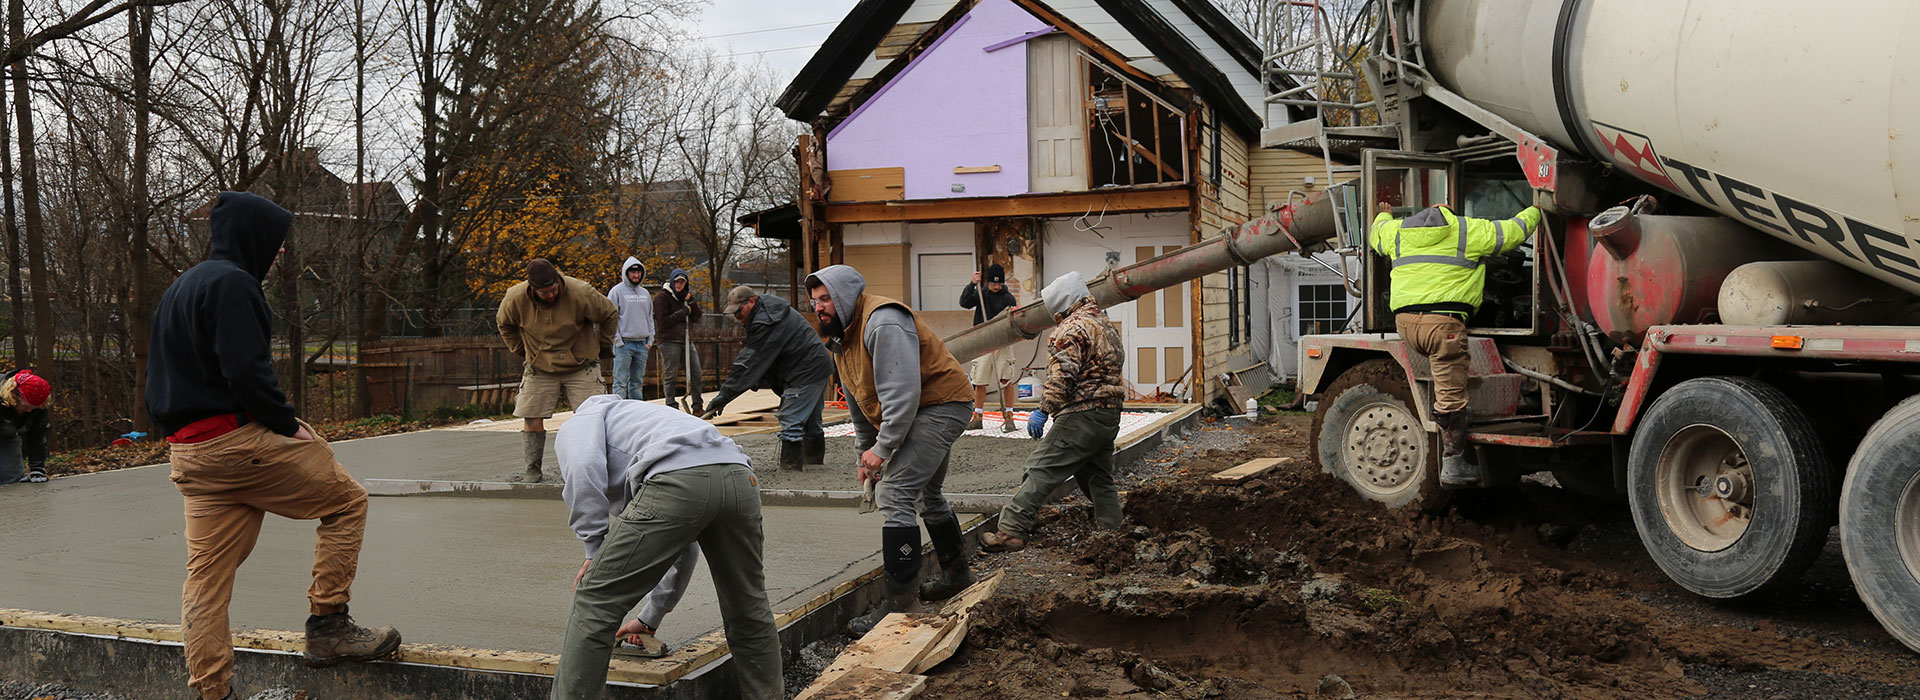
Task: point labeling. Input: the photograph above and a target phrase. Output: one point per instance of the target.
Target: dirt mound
(1291, 586)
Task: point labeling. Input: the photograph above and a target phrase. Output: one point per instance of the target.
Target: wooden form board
(1250, 469)
(872, 684)
(684, 659)
(869, 184)
(908, 643)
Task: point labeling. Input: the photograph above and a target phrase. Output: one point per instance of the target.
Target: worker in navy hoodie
(24, 428)
(238, 452)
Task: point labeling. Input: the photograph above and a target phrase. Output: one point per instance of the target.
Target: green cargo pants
(1080, 447)
(717, 505)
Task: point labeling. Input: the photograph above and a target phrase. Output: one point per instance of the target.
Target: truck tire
(1880, 521)
(1367, 433)
(1730, 489)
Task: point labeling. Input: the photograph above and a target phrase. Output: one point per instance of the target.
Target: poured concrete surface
(472, 572)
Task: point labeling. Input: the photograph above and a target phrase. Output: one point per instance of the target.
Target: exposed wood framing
(1157, 199)
(1047, 15)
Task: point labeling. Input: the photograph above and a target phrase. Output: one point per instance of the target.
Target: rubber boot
(791, 453)
(1455, 471)
(900, 550)
(951, 546)
(901, 598)
(334, 638)
(815, 454)
(536, 446)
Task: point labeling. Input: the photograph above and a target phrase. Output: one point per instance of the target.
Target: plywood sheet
(868, 184)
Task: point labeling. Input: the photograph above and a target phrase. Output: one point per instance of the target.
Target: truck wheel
(1730, 489)
(1367, 433)
(1880, 521)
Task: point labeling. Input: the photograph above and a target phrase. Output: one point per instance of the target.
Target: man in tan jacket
(548, 321)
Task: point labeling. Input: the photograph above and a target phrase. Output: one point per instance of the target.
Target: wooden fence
(416, 375)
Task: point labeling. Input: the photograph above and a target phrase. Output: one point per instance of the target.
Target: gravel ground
(13, 690)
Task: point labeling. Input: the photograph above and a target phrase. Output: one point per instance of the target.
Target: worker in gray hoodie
(635, 337)
(682, 483)
(909, 401)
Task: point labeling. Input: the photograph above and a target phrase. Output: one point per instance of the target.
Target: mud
(1291, 586)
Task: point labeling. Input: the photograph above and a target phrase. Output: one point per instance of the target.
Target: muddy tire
(1730, 489)
(1880, 521)
(1367, 433)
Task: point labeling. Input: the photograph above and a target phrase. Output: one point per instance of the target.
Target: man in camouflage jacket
(1082, 396)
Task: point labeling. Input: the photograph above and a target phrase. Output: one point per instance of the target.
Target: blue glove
(1036, 423)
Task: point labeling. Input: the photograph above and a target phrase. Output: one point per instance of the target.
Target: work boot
(1006, 422)
(977, 421)
(536, 446)
(334, 638)
(951, 546)
(791, 454)
(815, 454)
(1455, 471)
(901, 598)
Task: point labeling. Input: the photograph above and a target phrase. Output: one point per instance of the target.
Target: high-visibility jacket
(1437, 267)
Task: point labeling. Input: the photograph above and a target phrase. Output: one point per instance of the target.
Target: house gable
(953, 121)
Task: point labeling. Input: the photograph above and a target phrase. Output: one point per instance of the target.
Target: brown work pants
(230, 483)
(1443, 339)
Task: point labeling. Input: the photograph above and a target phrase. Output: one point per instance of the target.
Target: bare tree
(734, 145)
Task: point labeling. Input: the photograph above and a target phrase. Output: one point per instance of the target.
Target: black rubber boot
(790, 455)
(1455, 471)
(815, 454)
(951, 546)
(900, 549)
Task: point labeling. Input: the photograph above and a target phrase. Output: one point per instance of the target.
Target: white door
(942, 276)
(1160, 338)
(1056, 118)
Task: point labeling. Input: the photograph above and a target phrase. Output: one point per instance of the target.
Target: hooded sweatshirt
(210, 351)
(892, 338)
(672, 311)
(557, 337)
(782, 349)
(611, 446)
(634, 302)
(30, 428)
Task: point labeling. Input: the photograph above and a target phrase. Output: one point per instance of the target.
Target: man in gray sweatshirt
(683, 483)
(909, 401)
(635, 337)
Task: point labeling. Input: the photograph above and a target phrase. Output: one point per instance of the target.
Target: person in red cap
(23, 430)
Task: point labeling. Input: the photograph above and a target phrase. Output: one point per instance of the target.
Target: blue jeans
(629, 368)
(800, 411)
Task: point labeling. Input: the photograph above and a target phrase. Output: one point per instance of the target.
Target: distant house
(1046, 136)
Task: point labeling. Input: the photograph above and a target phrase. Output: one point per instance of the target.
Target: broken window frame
(1157, 160)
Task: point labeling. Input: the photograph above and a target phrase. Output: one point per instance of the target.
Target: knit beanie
(541, 273)
(34, 389)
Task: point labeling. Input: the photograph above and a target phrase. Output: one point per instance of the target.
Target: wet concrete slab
(484, 573)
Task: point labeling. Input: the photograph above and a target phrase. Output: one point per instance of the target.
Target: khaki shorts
(981, 371)
(541, 391)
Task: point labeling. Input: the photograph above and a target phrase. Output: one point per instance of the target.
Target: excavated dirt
(1292, 586)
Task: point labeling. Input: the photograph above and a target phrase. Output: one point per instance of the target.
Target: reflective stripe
(1459, 259)
(1499, 238)
(1461, 221)
(1524, 231)
(1436, 259)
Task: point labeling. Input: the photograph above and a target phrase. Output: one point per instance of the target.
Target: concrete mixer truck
(1718, 322)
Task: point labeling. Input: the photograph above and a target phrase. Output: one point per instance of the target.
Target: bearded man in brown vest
(909, 400)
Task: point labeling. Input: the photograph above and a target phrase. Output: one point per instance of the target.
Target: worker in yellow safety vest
(1437, 284)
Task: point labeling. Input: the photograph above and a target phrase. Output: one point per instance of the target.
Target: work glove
(1036, 423)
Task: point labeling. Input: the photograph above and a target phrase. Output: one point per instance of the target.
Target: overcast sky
(784, 32)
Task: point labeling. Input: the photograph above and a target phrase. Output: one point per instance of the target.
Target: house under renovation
(1048, 136)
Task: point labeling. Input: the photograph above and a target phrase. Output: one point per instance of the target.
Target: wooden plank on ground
(907, 643)
(1248, 470)
(872, 684)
